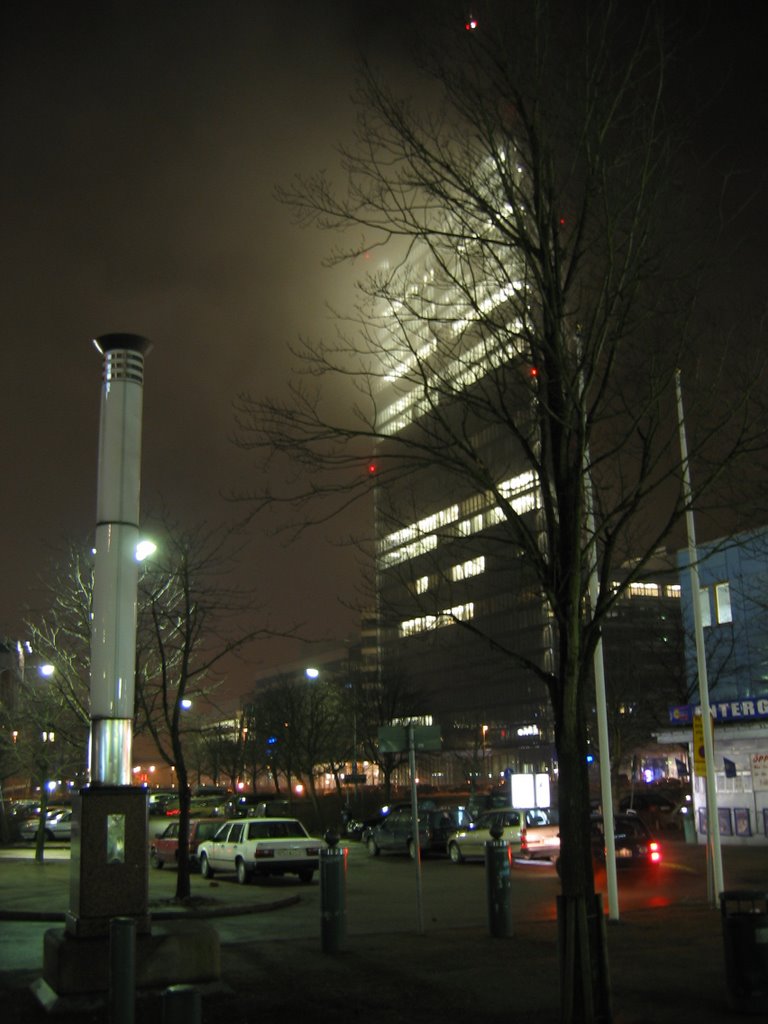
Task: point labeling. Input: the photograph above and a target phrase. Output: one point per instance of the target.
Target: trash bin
(745, 937)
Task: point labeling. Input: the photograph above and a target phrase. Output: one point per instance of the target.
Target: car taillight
(523, 839)
(262, 854)
(655, 852)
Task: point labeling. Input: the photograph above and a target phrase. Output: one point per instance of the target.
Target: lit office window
(423, 623)
(673, 590)
(644, 589)
(473, 567)
(706, 613)
(422, 585)
(723, 602)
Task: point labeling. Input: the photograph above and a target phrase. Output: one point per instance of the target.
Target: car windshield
(288, 829)
(624, 828)
(493, 817)
(206, 829)
(539, 816)
(630, 828)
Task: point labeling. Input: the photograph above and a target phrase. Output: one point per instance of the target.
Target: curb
(194, 913)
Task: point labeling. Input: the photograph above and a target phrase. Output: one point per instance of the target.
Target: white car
(260, 846)
(58, 825)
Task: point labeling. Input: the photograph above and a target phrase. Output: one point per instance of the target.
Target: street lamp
(144, 549)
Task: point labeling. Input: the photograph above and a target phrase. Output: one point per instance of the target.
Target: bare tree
(191, 620)
(529, 291)
(388, 699)
(48, 740)
(305, 728)
(61, 634)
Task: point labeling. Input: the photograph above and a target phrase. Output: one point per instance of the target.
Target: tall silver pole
(415, 822)
(715, 876)
(603, 741)
(113, 633)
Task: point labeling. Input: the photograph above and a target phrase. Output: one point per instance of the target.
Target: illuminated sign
(749, 709)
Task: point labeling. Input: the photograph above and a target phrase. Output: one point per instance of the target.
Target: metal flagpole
(603, 741)
(715, 876)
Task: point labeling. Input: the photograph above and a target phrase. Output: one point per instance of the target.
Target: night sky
(141, 145)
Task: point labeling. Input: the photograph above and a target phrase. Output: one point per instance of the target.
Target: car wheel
(454, 852)
(205, 868)
(306, 876)
(155, 861)
(373, 850)
(242, 872)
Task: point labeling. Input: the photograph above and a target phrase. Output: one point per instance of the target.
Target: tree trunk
(40, 838)
(584, 982)
(183, 887)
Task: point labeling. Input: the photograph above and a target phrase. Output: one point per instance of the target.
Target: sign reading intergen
(750, 708)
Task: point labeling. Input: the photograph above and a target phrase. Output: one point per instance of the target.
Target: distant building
(461, 612)
(644, 662)
(733, 580)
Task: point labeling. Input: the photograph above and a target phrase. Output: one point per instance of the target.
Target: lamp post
(715, 881)
(108, 875)
(115, 577)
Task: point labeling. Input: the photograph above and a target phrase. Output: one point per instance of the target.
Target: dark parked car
(395, 834)
(158, 801)
(164, 849)
(357, 828)
(635, 844)
(659, 812)
(254, 805)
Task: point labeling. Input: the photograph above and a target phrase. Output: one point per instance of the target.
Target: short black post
(498, 880)
(333, 895)
(122, 970)
(181, 1005)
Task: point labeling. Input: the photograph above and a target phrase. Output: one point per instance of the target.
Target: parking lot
(666, 956)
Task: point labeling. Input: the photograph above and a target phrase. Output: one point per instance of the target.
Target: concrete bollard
(333, 895)
(122, 970)
(182, 1005)
(498, 878)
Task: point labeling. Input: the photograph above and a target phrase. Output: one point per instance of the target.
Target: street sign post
(396, 739)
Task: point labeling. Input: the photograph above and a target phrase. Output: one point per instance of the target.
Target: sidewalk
(666, 965)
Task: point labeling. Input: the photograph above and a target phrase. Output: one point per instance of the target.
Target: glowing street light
(145, 549)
